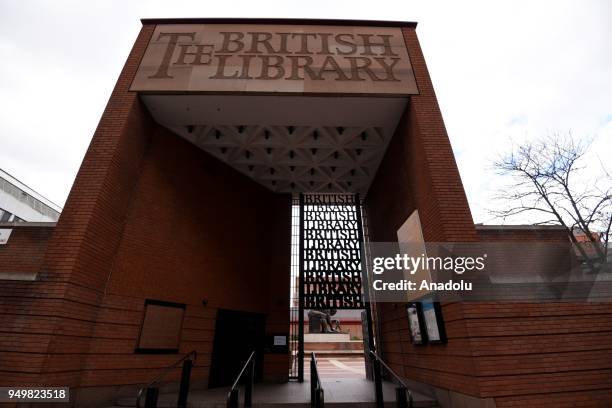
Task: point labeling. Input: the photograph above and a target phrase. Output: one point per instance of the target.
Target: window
(5, 216)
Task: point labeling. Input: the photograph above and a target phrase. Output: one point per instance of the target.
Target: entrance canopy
(287, 143)
(296, 107)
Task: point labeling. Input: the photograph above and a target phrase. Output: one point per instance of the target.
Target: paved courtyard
(337, 367)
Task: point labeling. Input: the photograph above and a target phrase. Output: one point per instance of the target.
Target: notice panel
(276, 59)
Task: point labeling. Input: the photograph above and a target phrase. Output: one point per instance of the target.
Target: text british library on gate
(223, 215)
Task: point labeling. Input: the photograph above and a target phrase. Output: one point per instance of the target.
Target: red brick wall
(521, 234)
(25, 249)
(419, 172)
(521, 354)
(546, 354)
(20, 334)
(147, 215)
(195, 230)
(527, 354)
(64, 300)
(542, 354)
(88, 233)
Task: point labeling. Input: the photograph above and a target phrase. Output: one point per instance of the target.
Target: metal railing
(232, 395)
(152, 389)
(317, 396)
(403, 396)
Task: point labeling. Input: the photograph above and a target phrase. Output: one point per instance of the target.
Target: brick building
(178, 226)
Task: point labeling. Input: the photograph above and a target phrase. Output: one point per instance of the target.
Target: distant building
(581, 236)
(19, 203)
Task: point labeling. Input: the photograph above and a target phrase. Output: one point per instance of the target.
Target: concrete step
(388, 404)
(339, 393)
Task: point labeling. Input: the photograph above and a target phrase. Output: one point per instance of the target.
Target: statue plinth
(327, 337)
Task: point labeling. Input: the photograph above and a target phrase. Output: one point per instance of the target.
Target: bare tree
(548, 180)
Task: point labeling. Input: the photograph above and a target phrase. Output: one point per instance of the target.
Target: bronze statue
(320, 321)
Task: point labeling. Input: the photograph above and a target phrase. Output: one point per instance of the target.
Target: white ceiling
(287, 143)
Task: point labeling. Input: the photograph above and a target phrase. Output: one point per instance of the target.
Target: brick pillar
(419, 172)
(445, 203)
(80, 253)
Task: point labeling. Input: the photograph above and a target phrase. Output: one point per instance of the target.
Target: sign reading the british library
(279, 58)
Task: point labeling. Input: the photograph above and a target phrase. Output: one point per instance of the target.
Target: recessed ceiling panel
(287, 143)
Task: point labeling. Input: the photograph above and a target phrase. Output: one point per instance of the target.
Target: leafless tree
(548, 180)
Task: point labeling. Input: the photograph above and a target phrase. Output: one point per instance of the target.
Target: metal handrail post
(184, 387)
(152, 393)
(401, 397)
(320, 398)
(317, 399)
(155, 383)
(249, 370)
(313, 383)
(248, 387)
(380, 402)
(232, 400)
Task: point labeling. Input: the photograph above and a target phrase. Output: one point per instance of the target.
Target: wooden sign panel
(161, 327)
(276, 59)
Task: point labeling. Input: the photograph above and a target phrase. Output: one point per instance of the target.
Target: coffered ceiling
(287, 143)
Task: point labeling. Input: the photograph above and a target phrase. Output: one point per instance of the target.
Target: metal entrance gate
(327, 254)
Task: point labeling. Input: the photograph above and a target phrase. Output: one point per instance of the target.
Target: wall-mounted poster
(415, 320)
(434, 323)
(412, 243)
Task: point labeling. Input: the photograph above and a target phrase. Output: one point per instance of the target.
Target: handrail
(397, 377)
(317, 395)
(232, 395)
(160, 377)
(316, 369)
(403, 385)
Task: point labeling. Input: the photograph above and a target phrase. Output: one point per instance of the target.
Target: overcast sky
(502, 70)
